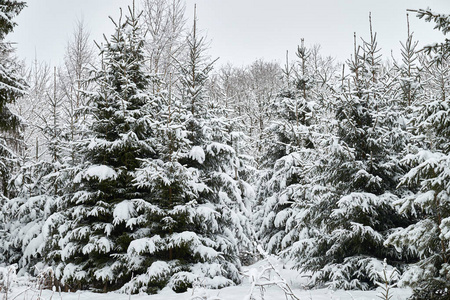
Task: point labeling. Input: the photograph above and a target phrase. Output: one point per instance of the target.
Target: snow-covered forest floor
(24, 288)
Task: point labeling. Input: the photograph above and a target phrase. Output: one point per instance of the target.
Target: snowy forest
(140, 164)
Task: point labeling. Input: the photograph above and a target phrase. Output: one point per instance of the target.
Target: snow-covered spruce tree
(24, 211)
(221, 169)
(289, 158)
(37, 186)
(47, 168)
(439, 51)
(428, 238)
(105, 210)
(28, 211)
(12, 86)
(199, 222)
(354, 213)
(226, 94)
(408, 70)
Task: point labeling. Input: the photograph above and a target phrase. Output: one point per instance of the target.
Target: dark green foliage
(197, 226)
(427, 238)
(97, 234)
(432, 289)
(290, 152)
(351, 210)
(9, 9)
(12, 85)
(440, 51)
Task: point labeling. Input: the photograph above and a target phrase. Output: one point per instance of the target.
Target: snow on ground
(230, 293)
(293, 278)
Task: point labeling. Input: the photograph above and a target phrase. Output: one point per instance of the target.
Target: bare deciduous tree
(32, 107)
(165, 23)
(73, 81)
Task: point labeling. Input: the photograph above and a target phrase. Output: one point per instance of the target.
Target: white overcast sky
(240, 30)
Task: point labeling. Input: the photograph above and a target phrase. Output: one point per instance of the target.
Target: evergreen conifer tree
(285, 184)
(439, 51)
(409, 70)
(12, 86)
(199, 224)
(37, 186)
(354, 213)
(428, 238)
(104, 210)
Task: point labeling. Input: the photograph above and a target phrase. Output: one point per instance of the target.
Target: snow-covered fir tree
(408, 69)
(47, 165)
(104, 210)
(288, 161)
(12, 86)
(353, 214)
(428, 207)
(200, 222)
(37, 186)
(26, 214)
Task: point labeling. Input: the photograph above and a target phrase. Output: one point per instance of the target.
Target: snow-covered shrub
(266, 275)
(8, 277)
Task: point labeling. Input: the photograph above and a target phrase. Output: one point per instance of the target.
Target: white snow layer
(100, 172)
(197, 154)
(123, 212)
(294, 278)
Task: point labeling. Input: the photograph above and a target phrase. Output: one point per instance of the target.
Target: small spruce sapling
(389, 278)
